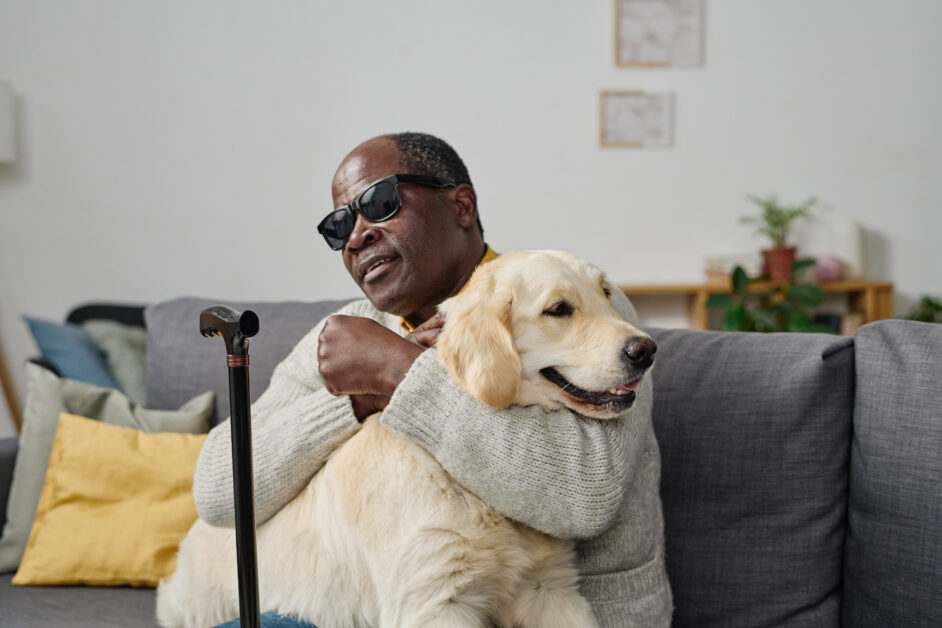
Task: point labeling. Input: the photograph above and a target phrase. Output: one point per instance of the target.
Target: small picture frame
(658, 33)
(635, 119)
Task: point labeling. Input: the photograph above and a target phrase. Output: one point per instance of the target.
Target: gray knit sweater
(561, 473)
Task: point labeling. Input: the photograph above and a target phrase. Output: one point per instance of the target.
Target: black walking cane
(236, 328)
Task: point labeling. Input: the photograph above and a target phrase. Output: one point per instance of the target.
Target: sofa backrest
(182, 364)
(893, 561)
(754, 431)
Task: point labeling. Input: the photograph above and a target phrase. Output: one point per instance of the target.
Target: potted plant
(774, 222)
(927, 310)
(782, 307)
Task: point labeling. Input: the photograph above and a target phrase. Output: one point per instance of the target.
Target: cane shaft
(243, 490)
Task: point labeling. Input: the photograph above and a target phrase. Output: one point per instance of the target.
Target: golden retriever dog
(382, 536)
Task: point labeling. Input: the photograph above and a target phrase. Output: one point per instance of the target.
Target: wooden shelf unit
(873, 300)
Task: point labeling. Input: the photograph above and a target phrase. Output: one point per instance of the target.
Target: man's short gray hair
(421, 153)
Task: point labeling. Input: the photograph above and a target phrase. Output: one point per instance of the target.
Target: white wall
(187, 147)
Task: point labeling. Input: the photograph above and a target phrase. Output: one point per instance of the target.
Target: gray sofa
(802, 474)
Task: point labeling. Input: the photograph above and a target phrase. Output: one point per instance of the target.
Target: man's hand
(361, 358)
(427, 333)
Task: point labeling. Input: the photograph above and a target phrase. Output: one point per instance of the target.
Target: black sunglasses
(378, 203)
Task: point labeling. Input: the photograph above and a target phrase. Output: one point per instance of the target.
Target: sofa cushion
(893, 558)
(124, 349)
(180, 361)
(76, 607)
(115, 505)
(70, 350)
(754, 431)
(47, 396)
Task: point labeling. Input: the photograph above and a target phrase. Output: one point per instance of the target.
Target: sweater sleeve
(558, 472)
(296, 425)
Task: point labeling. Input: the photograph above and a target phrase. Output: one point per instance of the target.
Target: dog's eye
(560, 309)
(606, 291)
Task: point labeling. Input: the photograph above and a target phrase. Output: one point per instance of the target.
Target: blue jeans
(271, 620)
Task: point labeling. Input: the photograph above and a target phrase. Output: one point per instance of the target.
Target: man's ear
(466, 201)
(476, 345)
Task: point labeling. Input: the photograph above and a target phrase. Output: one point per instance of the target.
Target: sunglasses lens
(380, 201)
(337, 227)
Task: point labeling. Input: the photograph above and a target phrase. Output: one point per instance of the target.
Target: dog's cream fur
(382, 536)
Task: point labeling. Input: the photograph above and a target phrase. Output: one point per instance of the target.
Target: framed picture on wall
(635, 119)
(658, 33)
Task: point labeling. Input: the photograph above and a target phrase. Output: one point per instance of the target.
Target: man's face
(410, 263)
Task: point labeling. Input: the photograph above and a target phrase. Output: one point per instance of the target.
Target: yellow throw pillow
(115, 505)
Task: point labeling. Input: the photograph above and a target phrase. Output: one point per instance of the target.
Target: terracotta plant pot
(778, 262)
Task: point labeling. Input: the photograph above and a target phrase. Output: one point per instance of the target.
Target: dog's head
(538, 327)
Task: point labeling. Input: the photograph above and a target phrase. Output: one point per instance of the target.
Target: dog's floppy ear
(476, 345)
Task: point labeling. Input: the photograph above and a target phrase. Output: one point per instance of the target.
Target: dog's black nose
(639, 352)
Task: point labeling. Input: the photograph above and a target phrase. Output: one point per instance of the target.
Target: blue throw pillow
(71, 351)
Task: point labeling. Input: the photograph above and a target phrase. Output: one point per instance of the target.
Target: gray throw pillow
(181, 363)
(893, 555)
(47, 397)
(754, 431)
(124, 347)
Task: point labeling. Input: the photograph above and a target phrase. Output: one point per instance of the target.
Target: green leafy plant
(775, 307)
(776, 219)
(927, 310)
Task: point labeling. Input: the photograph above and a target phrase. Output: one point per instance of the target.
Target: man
(409, 242)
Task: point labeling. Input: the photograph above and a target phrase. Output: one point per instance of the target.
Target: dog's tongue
(629, 387)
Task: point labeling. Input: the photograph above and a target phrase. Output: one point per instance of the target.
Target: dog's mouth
(618, 398)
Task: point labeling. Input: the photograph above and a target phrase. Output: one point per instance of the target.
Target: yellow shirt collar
(489, 256)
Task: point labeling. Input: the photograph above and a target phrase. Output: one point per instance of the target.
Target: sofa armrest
(8, 448)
